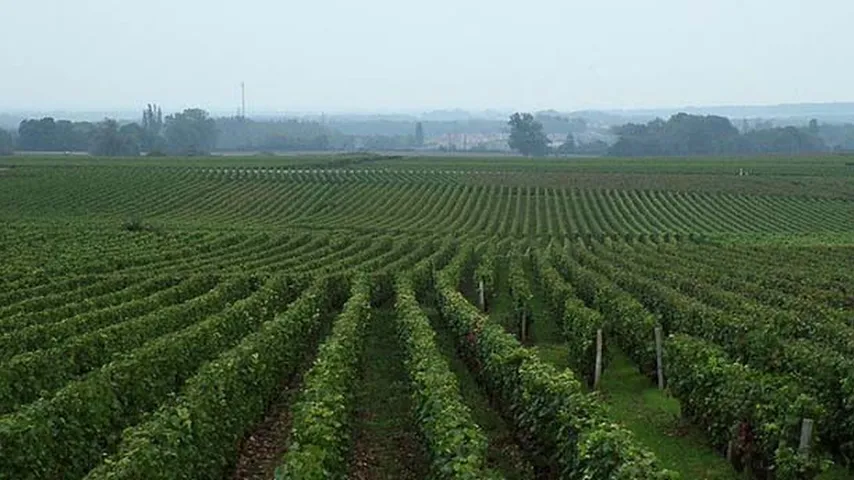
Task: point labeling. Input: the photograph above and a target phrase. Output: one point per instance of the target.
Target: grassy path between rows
(386, 438)
(655, 419)
(636, 403)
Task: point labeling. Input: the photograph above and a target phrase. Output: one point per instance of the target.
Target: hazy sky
(394, 55)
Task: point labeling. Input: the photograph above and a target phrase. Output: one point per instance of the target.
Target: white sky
(395, 55)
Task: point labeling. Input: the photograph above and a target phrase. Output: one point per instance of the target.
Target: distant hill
(783, 113)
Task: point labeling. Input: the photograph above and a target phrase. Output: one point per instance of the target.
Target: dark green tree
(111, 141)
(788, 140)
(419, 134)
(568, 146)
(80, 136)
(152, 128)
(527, 136)
(813, 127)
(7, 143)
(38, 135)
(191, 132)
(682, 134)
(685, 134)
(49, 135)
(133, 133)
(596, 147)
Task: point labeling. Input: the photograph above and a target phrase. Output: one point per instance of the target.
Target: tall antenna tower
(242, 100)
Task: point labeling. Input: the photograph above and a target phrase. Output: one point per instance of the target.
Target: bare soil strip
(263, 449)
(386, 439)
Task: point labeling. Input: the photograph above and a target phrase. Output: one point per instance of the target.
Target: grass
(631, 399)
(637, 404)
(387, 442)
(546, 337)
(655, 419)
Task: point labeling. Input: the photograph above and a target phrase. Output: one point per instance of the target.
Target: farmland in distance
(363, 316)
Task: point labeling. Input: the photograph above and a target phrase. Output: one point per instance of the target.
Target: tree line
(242, 134)
(682, 134)
(191, 132)
(685, 134)
(194, 132)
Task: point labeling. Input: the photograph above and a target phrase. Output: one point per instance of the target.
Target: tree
(132, 133)
(527, 136)
(37, 135)
(49, 135)
(568, 146)
(682, 134)
(789, 140)
(596, 147)
(419, 134)
(191, 132)
(685, 134)
(813, 127)
(111, 141)
(7, 143)
(152, 128)
(80, 136)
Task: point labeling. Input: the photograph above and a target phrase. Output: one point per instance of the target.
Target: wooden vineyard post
(524, 327)
(806, 436)
(597, 372)
(731, 444)
(658, 358)
(481, 295)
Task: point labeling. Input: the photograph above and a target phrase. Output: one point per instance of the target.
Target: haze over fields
(384, 55)
(446, 240)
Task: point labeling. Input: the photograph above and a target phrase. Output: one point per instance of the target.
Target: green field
(320, 317)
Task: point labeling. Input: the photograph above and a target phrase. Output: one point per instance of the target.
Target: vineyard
(371, 317)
